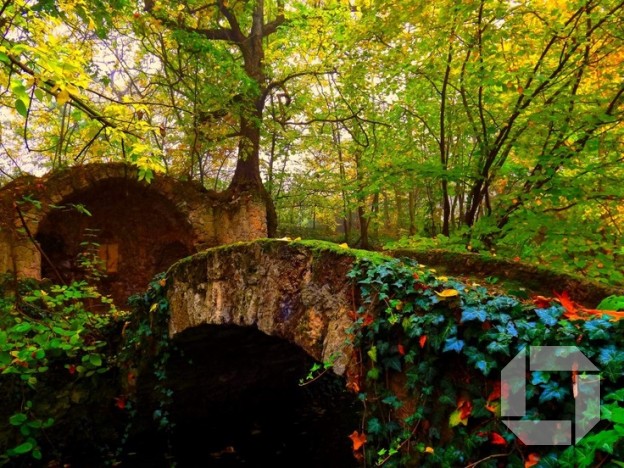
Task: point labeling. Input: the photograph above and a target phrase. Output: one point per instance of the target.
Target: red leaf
(422, 340)
(401, 349)
(465, 407)
(368, 319)
(120, 401)
(72, 369)
(496, 392)
(358, 440)
(497, 439)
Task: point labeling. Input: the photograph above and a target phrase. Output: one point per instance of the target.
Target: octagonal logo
(587, 395)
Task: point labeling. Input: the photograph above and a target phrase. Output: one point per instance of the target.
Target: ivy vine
(430, 354)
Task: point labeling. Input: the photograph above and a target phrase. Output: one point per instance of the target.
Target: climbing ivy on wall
(145, 351)
(430, 353)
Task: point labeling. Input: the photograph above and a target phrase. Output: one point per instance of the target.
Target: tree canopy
(475, 125)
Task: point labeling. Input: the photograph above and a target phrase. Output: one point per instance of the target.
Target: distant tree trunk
(364, 241)
(399, 210)
(375, 212)
(411, 209)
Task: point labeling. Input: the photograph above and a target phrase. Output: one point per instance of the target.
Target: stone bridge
(296, 291)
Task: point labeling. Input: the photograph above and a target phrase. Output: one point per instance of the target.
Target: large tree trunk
(247, 173)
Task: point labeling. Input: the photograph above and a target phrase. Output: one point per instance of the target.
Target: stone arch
(29, 204)
(283, 289)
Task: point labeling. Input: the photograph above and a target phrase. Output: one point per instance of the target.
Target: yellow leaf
(62, 97)
(428, 449)
(344, 245)
(456, 419)
(154, 307)
(447, 293)
(297, 239)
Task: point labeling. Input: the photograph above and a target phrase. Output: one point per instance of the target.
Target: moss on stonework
(317, 247)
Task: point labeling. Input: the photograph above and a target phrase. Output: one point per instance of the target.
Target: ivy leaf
(453, 344)
(358, 440)
(540, 377)
(455, 419)
(470, 313)
(498, 347)
(553, 391)
(597, 329)
(550, 316)
(393, 401)
(374, 426)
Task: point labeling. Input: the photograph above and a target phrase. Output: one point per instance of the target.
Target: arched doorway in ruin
(116, 227)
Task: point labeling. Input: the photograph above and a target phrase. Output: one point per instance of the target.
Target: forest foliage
(478, 125)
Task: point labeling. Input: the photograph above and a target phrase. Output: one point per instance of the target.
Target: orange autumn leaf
(575, 311)
(368, 319)
(422, 340)
(497, 439)
(615, 315)
(401, 349)
(358, 440)
(567, 303)
(542, 302)
(532, 460)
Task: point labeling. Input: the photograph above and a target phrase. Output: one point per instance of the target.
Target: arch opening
(237, 401)
(132, 233)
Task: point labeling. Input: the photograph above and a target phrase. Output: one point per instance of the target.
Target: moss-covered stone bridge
(298, 291)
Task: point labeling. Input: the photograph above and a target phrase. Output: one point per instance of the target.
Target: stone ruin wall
(190, 215)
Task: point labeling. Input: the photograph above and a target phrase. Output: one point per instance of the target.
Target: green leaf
(611, 303)
(24, 448)
(4, 58)
(95, 360)
(22, 327)
(21, 108)
(18, 419)
(374, 426)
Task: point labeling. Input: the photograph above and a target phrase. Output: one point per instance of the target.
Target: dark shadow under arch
(237, 401)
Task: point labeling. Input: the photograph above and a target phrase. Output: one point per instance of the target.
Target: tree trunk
(411, 209)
